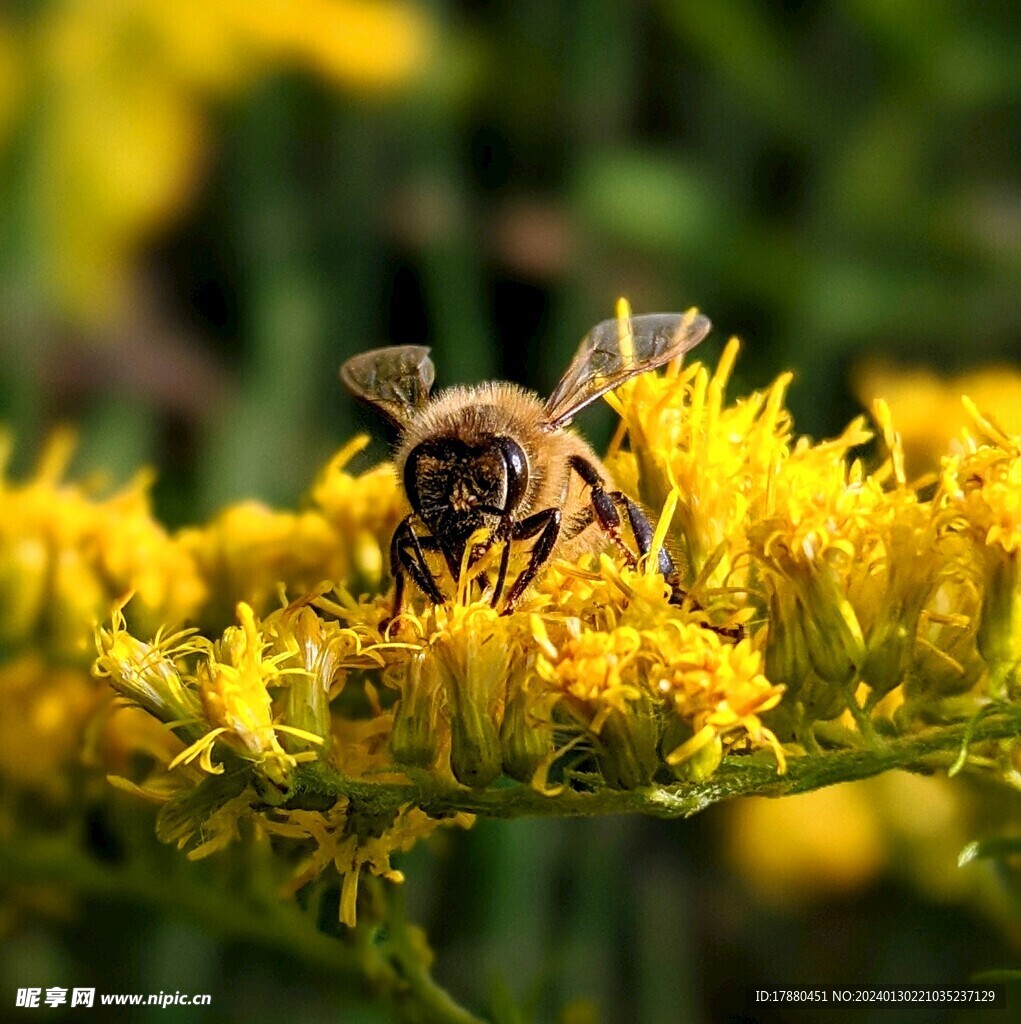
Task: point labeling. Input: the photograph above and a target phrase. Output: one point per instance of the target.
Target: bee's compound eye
(516, 461)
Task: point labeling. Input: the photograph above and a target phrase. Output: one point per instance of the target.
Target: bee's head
(453, 485)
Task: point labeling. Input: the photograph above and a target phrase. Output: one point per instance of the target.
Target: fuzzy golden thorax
(463, 469)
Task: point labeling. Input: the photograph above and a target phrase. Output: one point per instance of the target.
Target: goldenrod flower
(364, 511)
(850, 561)
(235, 678)
(718, 458)
(647, 677)
(982, 495)
(66, 556)
(928, 409)
(349, 843)
(42, 714)
(148, 674)
(454, 690)
(250, 551)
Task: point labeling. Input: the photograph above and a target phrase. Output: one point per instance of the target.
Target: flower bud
(786, 653)
(478, 656)
(694, 756)
(833, 636)
(145, 673)
(525, 742)
(821, 701)
(306, 704)
(890, 650)
(476, 758)
(415, 739)
(999, 628)
(628, 745)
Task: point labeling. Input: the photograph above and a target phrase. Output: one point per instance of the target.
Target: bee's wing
(616, 350)
(396, 380)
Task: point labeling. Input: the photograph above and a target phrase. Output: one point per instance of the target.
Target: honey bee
(495, 458)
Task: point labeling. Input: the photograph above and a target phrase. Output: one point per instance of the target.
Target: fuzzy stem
(754, 775)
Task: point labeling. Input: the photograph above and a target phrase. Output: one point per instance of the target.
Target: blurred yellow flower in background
(119, 92)
(249, 550)
(42, 714)
(928, 407)
(67, 555)
(839, 840)
(11, 76)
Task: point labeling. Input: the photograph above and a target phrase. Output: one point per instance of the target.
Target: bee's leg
(547, 525)
(451, 557)
(408, 557)
(501, 576)
(602, 505)
(579, 523)
(643, 531)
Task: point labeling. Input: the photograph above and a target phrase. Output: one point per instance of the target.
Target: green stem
(416, 997)
(755, 775)
(397, 970)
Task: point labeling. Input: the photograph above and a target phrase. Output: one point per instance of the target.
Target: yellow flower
(809, 845)
(11, 77)
(43, 713)
(234, 682)
(323, 653)
(148, 674)
(250, 550)
(646, 685)
(453, 689)
(364, 510)
(928, 408)
(720, 692)
(841, 839)
(65, 557)
(121, 93)
(350, 842)
(850, 560)
(981, 492)
(718, 458)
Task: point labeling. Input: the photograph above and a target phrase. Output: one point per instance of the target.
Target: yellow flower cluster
(260, 698)
(716, 459)
(119, 142)
(828, 604)
(817, 590)
(249, 551)
(68, 554)
(928, 408)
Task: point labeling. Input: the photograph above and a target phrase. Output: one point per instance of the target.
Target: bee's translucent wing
(615, 351)
(396, 380)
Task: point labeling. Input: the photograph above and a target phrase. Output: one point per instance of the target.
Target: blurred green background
(207, 205)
